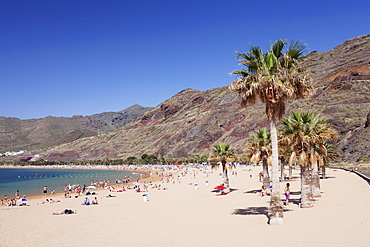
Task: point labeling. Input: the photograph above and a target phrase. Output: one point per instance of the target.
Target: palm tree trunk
(315, 181)
(282, 166)
(323, 171)
(306, 192)
(226, 177)
(275, 212)
(266, 177)
(315, 176)
(290, 171)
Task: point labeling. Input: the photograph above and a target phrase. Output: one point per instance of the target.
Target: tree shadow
(218, 191)
(255, 211)
(253, 191)
(292, 178)
(296, 193)
(327, 177)
(251, 211)
(295, 201)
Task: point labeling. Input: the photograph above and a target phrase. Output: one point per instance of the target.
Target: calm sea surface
(32, 181)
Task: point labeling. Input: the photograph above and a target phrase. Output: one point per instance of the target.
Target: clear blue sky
(64, 57)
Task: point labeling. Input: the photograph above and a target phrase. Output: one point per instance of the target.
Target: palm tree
(327, 154)
(260, 150)
(272, 77)
(284, 154)
(321, 132)
(196, 158)
(223, 153)
(244, 158)
(302, 132)
(204, 158)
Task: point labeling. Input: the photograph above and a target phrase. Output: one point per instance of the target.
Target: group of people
(13, 201)
(93, 202)
(8, 202)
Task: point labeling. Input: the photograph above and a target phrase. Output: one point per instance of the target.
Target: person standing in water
(45, 190)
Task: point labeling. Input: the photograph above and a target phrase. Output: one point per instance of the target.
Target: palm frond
(272, 77)
(296, 49)
(293, 158)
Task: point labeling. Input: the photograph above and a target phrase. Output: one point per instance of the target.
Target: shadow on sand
(255, 211)
(296, 193)
(218, 191)
(253, 191)
(251, 211)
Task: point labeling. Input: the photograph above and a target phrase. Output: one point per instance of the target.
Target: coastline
(144, 171)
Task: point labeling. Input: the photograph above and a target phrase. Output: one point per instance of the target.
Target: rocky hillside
(192, 121)
(16, 134)
(110, 121)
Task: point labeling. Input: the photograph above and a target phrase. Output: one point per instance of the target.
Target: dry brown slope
(192, 121)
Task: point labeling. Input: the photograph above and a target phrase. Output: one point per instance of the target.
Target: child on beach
(287, 193)
(86, 202)
(263, 191)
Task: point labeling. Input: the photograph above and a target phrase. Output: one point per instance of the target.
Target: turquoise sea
(31, 182)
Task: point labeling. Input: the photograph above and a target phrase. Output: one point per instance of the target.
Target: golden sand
(184, 216)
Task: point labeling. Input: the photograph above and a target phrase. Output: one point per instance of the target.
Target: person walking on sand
(287, 193)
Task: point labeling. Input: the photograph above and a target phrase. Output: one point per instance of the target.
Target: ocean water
(32, 181)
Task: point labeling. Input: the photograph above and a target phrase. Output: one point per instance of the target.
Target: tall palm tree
(223, 153)
(302, 132)
(260, 150)
(272, 77)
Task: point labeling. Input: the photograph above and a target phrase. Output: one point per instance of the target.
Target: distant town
(13, 153)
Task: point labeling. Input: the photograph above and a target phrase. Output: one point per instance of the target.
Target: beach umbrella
(109, 188)
(91, 187)
(178, 164)
(220, 187)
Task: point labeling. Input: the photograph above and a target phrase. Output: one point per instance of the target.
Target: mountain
(16, 134)
(109, 121)
(192, 121)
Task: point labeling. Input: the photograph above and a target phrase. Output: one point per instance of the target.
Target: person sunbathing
(65, 211)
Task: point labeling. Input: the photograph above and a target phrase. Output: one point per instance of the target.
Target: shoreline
(139, 170)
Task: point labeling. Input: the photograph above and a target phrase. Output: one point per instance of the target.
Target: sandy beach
(184, 216)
